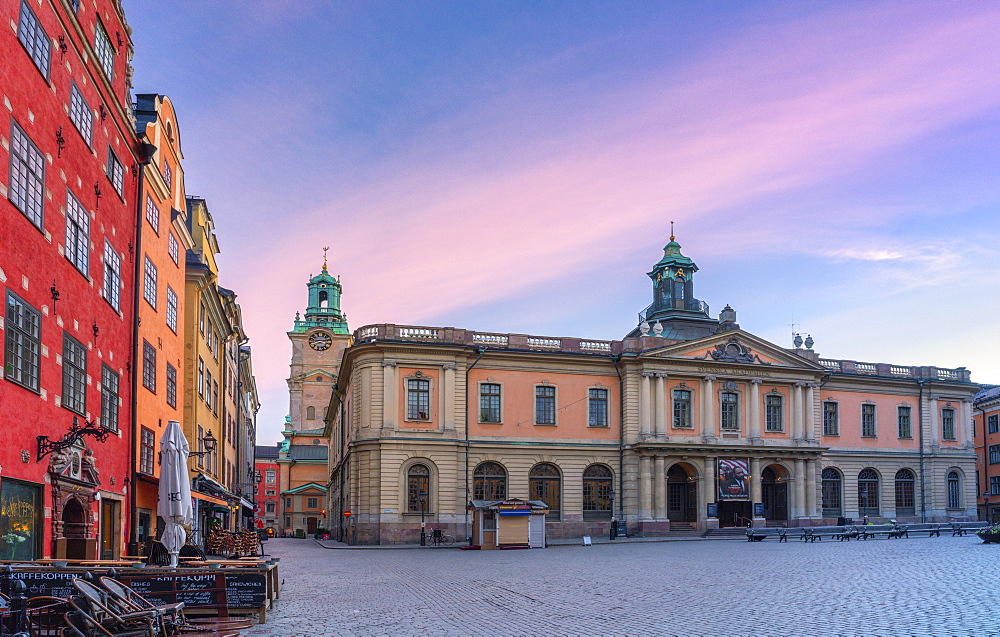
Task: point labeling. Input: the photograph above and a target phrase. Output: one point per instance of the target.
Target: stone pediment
(734, 348)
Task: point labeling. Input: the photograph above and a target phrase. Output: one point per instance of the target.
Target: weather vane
(324, 257)
(672, 231)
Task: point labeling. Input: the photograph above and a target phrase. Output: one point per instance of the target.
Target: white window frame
(34, 39)
(104, 51)
(26, 189)
(171, 309)
(80, 114)
(77, 248)
(111, 288)
(149, 285)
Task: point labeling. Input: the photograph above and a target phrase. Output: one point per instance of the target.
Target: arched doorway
(682, 498)
(74, 526)
(774, 493)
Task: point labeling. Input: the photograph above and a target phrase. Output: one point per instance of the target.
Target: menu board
(51, 583)
(246, 590)
(197, 590)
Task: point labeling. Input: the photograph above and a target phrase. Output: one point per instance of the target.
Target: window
(22, 343)
(993, 423)
(832, 490)
(489, 482)
(168, 176)
(598, 408)
(201, 377)
(682, 409)
(74, 381)
(152, 214)
(543, 484)
(954, 490)
(171, 309)
(215, 396)
(903, 422)
(201, 447)
(545, 405)
(288, 522)
(831, 419)
(868, 420)
(116, 172)
(109, 398)
(948, 424)
(208, 388)
(27, 175)
(418, 488)
(730, 410)
(868, 492)
(269, 506)
(149, 282)
(418, 399)
(148, 366)
(772, 413)
(312, 503)
(904, 493)
(77, 234)
(105, 52)
(288, 503)
(147, 451)
(270, 476)
(171, 385)
(34, 39)
(80, 114)
(597, 486)
(489, 402)
(994, 454)
(310, 413)
(173, 248)
(111, 289)
(994, 485)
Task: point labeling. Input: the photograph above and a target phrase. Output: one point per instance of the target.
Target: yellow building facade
(687, 424)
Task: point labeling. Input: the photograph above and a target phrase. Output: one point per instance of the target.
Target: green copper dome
(323, 309)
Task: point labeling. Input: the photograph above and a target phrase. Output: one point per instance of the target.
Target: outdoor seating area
(863, 532)
(120, 598)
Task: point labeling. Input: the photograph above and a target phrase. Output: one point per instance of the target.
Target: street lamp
(423, 509)
(614, 526)
(208, 443)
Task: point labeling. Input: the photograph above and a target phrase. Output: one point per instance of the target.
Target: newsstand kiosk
(507, 524)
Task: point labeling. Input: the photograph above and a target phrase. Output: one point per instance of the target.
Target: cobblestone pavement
(918, 586)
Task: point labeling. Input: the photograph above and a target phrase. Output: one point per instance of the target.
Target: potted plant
(320, 532)
(990, 535)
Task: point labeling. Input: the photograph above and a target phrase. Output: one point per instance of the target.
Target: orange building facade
(987, 428)
(687, 424)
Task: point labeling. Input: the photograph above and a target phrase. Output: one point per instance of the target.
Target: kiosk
(514, 523)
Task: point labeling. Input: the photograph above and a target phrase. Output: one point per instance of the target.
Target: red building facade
(268, 504)
(67, 276)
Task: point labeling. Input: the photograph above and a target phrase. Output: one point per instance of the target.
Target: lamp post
(614, 526)
(423, 510)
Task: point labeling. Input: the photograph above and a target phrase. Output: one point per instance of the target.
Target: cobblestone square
(917, 586)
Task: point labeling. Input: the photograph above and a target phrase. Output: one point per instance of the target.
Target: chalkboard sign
(621, 531)
(246, 590)
(46, 582)
(758, 509)
(197, 590)
(713, 509)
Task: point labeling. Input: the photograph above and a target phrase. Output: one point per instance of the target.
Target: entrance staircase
(728, 533)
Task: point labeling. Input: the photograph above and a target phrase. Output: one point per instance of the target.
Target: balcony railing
(484, 340)
(898, 371)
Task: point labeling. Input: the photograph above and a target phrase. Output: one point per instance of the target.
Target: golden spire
(324, 257)
(672, 231)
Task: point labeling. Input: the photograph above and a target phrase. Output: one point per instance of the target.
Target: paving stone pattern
(918, 586)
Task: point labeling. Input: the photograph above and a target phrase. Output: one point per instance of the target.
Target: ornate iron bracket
(75, 433)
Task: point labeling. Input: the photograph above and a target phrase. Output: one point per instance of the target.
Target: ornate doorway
(774, 493)
(682, 499)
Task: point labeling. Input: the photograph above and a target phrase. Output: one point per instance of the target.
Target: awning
(208, 498)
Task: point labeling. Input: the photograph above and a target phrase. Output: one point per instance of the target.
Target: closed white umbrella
(175, 489)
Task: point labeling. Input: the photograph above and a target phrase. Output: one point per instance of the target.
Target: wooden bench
(761, 534)
(962, 528)
(932, 530)
(889, 531)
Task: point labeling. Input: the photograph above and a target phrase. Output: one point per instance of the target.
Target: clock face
(320, 341)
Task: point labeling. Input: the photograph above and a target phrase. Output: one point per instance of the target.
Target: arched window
(597, 486)
(679, 293)
(833, 502)
(310, 413)
(904, 493)
(544, 484)
(418, 488)
(868, 492)
(324, 299)
(489, 482)
(954, 490)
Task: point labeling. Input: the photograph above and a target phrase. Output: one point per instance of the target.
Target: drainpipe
(480, 351)
(920, 429)
(147, 151)
(616, 358)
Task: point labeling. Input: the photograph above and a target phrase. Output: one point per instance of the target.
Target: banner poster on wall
(734, 481)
